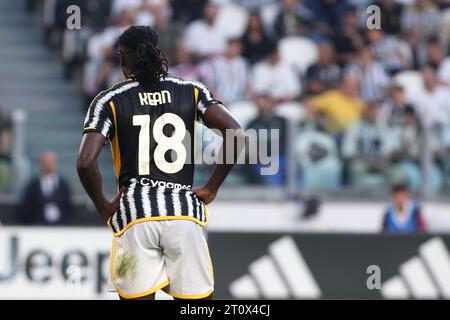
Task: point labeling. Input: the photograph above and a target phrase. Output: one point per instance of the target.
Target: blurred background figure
(339, 107)
(419, 22)
(390, 15)
(203, 37)
(267, 120)
(325, 73)
(405, 142)
(347, 37)
(256, 42)
(393, 109)
(364, 150)
(403, 215)
(392, 52)
(433, 103)
(5, 150)
(275, 77)
(294, 19)
(372, 77)
(227, 75)
(46, 200)
(438, 60)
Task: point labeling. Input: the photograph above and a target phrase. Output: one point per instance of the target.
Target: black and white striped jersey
(151, 133)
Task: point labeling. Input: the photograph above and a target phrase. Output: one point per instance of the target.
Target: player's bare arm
(218, 117)
(91, 179)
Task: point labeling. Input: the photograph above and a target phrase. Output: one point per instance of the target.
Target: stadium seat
(292, 111)
(411, 81)
(299, 52)
(244, 111)
(233, 19)
(317, 157)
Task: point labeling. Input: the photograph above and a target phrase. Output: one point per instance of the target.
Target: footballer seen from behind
(156, 217)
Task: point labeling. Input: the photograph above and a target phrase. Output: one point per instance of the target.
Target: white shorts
(169, 254)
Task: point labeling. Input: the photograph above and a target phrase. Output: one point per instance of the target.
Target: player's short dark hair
(148, 63)
(399, 187)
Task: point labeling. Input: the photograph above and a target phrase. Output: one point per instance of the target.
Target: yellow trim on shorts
(112, 257)
(142, 294)
(190, 296)
(161, 218)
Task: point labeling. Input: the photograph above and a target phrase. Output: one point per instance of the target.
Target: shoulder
(183, 82)
(118, 88)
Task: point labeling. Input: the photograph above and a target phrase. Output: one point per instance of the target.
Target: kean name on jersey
(154, 98)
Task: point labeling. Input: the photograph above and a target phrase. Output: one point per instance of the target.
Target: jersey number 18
(164, 143)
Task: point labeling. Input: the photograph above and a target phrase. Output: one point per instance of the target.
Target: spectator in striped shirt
(364, 148)
(371, 75)
(392, 112)
(227, 75)
(390, 51)
(405, 145)
(420, 22)
(421, 19)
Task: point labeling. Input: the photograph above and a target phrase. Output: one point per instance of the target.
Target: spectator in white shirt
(227, 75)
(433, 104)
(204, 38)
(144, 9)
(275, 77)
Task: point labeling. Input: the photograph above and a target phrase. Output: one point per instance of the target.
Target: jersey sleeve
(203, 99)
(99, 118)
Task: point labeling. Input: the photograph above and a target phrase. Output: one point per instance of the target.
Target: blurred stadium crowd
(363, 108)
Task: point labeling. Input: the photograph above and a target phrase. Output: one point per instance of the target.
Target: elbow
(84, 163)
